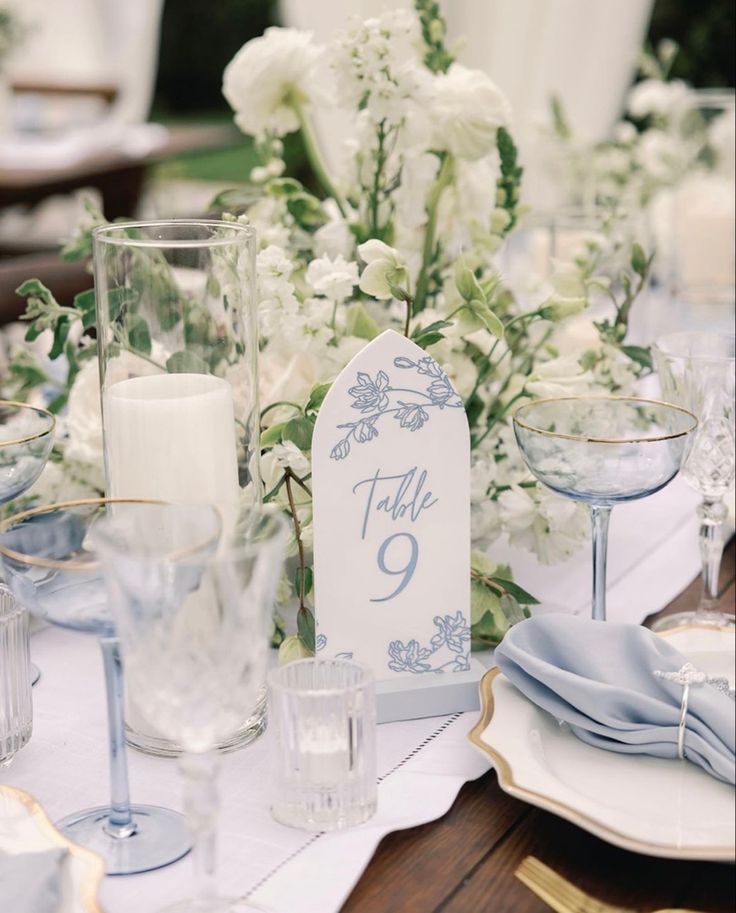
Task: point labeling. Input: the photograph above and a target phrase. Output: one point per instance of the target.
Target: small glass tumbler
(16, 707)
(323, 712)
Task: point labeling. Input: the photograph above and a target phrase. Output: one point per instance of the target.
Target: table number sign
(391, 477)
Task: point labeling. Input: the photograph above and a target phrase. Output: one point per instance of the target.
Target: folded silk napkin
(599, 677)
(31, 882)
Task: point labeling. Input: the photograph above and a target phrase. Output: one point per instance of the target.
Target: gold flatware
(564, 897)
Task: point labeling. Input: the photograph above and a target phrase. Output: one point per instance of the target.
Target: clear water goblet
(602, 451)
(26, 439)
(194, 630)
(696, 371)
(52, 568)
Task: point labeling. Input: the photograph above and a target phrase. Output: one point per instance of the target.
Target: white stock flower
(385, 268)
(268, 78)
(334, 278)
(334, 239)
(375, 63)
(467, 108)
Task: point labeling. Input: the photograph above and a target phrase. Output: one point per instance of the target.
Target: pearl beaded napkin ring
(686, 676)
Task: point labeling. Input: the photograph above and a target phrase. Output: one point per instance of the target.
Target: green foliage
(305, 628)
(437, 58)
(509, 182)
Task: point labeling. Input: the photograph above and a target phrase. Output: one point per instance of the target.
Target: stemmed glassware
(26, 439)
(194, 630)
(52, 568)
(602, 451)
(696, 370)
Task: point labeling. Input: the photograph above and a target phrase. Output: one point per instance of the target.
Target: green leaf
(316, 398)
(272, 435)
(639, 261)
(186, 362)
(299, 431)
(513, 589)
(58, 403)
(492, 323)
(139, 336)
(308, 581)
(482, 600)
(639, 354)
(559, 118)
(119, 298)
(237, 198)
(360, 323)
(305, 627)
(61, 331)
(512, 610)
(84, 302)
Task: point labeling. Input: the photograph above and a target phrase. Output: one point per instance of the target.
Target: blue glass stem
(600, 517)
(120, 822)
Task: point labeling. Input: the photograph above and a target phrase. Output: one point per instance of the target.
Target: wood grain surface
(465, 861)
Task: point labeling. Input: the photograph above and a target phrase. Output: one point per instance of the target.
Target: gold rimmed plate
(654, 806)
(26, 828)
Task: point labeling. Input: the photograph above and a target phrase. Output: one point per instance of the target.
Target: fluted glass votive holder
(16, 708)
(323, 712)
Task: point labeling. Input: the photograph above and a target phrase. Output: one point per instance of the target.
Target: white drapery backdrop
(584, 51)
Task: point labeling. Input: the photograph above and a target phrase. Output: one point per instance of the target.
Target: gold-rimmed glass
(603, 451)
(51, 566)
(26, 439)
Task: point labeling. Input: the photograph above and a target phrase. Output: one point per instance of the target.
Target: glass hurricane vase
(177, 335)
(602, 451)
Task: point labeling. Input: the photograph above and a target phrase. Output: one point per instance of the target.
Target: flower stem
(297, 534)
(311, 147)
(443, 179)
(409, 303)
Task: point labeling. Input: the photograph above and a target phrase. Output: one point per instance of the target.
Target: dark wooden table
(117, 175)
(465, 862)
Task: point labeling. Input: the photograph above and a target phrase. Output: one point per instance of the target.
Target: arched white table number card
(391, 485)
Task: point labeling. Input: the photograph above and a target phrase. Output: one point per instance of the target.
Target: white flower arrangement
(407, 235)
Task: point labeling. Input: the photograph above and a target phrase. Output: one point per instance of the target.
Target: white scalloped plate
(26, 828)
(654, 806)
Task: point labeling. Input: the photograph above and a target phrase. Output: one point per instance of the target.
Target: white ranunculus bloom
(334, 278)
(268, 78)
(467, 108)
(385, 267)
(559, 377)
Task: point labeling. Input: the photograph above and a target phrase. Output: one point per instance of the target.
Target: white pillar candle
(171, 437)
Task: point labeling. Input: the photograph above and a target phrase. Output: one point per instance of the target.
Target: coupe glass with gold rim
(52, 568)
(26, 439)
(603, 451)
(696, 371)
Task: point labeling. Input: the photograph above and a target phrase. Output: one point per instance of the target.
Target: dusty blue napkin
(31, 882)
(599, 678)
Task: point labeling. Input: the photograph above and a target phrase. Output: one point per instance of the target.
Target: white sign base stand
(429, 695)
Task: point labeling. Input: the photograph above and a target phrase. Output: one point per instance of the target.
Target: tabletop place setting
(307, 507)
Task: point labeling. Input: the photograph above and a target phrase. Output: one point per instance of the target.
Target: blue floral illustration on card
(376, 398)
(448, 651)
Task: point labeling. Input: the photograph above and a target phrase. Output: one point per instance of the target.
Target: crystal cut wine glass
(603, 451)
(51, 566)
(696, 371)
(194, 629)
